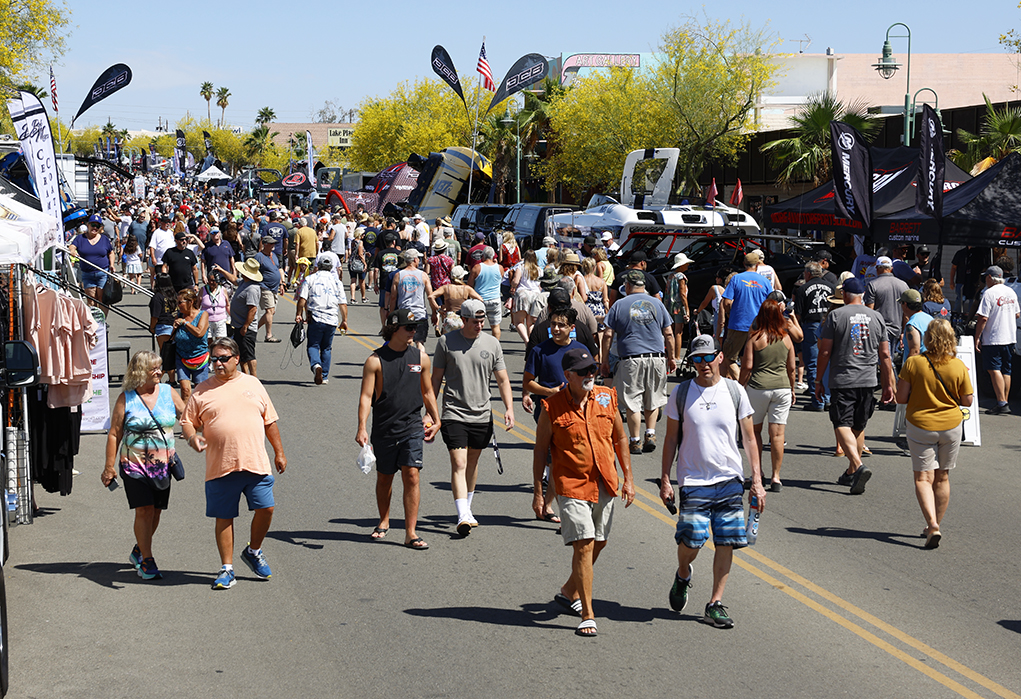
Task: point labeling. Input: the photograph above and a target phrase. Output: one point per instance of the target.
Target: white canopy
(212, 173)
(25, 232)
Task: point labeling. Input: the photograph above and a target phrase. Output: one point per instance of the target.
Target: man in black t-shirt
(181, 264)
(385, 264)
(811, 303)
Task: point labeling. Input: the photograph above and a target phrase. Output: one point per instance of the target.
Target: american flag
(483, 68)
(53, 89)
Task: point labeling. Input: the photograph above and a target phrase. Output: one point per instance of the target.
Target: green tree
(499, 141)
(206, 92)
(709, 78)
(265, 116)
(999, 136)
(593, 126)
(222, 100)
(33, 89)
(109, 130)
(32, 32)
(420, 117)
(258, 143)
(805, 155)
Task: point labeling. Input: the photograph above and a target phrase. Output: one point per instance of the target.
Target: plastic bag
(366, 458)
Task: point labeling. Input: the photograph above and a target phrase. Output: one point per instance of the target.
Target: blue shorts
(93, 278)
(163, 330)
(196, 376)
(997, 358)
(720, 506)
(223, 494)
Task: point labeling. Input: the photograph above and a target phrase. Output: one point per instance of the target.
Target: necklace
(711, 403)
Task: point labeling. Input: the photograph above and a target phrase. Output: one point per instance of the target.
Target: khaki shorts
(933, 450)
(733, 344)
(581, 519)
(267, 299)
(641, 383)
(774, 403)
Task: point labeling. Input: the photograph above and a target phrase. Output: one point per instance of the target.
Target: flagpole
(475, 129)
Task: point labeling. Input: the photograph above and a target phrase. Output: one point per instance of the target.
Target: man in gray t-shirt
(883, 294)
(468, 359)
(852, 343)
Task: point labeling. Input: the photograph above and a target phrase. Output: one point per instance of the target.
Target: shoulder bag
(176, 465)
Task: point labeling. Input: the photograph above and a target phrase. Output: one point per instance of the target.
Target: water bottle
(753, 520)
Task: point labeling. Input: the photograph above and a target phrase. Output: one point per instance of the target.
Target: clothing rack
(71, 286)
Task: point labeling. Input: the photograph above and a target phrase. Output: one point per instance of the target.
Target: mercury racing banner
(180, 153)
(529, 69)
(852, 173)
(443, 66)
(931, 166)
(113, 78)
(33, 129)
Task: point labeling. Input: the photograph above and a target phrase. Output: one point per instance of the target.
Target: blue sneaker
(148, 570)
(136, 557)
(257, 562)
(225, 580)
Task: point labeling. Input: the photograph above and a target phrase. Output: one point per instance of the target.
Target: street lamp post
(887, 67)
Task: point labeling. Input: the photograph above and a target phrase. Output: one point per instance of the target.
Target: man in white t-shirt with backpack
(702, 432)
(996, 334)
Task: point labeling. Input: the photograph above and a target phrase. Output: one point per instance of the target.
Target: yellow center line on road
(657, 510)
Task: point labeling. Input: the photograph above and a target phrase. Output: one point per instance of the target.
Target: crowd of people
(600, 349)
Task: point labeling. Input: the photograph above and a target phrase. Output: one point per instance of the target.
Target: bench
(118, 346)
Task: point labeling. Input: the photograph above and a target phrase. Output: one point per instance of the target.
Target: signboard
(972, 430)
(96, 409)
(339, 137)
(574, 63)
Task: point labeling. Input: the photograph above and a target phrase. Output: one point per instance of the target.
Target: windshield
(600, 200)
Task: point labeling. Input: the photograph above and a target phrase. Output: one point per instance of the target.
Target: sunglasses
(411, 327)
(707, 358)
(221, 358)
(588, 371)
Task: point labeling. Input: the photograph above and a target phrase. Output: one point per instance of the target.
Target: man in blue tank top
(396, 383)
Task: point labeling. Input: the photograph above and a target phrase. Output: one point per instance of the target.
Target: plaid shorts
(720, 506)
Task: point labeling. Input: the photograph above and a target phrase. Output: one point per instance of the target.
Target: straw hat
(250, 270)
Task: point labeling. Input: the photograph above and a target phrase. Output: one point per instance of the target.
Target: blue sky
(295, 56)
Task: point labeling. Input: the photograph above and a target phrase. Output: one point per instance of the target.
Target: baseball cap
(639, 256)
(822, 255)
(910, 296)
(559, 297)
(752, 258)
(180, 236)
(458, 272)
(324, 262)
(416, 217)
(411, 254)
(777, 295)
(994, 271)
(576, 359)
(853, 286)
(703, 344)
(590, 240)
(548, 240)
(884, 262)
(607, 235)
(480, 236)
(923, 251)
(267, 240)
(635, 278)
(549, 279)
(96, 218)
(402, 316)
(473, 308)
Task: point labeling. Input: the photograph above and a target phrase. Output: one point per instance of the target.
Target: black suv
(528, 222)
(468, 219)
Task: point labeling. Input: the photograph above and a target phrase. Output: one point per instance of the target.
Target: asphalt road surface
(837, 598)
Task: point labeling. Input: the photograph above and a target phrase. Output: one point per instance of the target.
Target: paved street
(838, 598)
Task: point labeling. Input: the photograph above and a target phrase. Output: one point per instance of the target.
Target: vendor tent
(894, 177)
(986, 210)
(210, 174)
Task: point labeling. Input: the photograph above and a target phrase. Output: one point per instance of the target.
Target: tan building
(323, 135)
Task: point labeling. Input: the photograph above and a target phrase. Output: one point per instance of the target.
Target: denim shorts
(720, 506)
(223, 494)
(93, 278)
(196, 376)
(163, 330)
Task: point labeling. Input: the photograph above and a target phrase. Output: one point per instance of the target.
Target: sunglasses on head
(587, 371)
(700, 358)
(221, 358)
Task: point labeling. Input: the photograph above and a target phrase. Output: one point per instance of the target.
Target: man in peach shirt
(581, 428)
(233, 412)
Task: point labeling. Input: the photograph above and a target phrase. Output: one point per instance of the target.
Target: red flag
(483, 68)
(710, 195)
(737, 195)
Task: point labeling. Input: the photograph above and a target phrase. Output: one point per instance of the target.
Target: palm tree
(258, 142)
(999, 136)
(32, 89)
(265, 116)
(498, 143)
(109, 130)
(206, 91)
(222, 97)
(806, 154)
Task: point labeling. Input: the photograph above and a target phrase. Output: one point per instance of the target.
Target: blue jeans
(320, 344)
